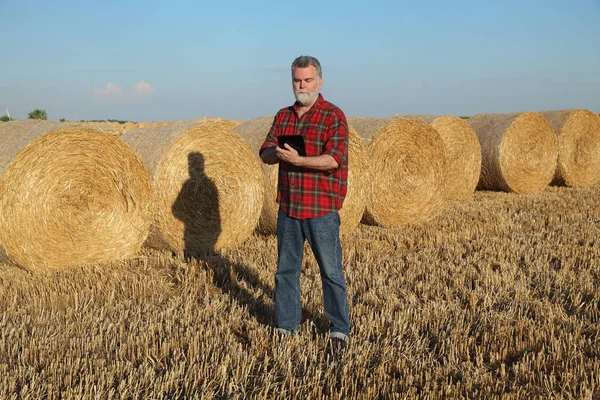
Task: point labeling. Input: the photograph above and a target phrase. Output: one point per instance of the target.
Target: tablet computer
(295, 141)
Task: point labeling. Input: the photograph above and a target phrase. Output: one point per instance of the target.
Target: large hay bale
(463, 154)
(69, 195)
(518, 151)
(367, 127)
(227, 123)
(407, 162)
(578, 138)
(254, 132)
(129, 126)
(207, 186)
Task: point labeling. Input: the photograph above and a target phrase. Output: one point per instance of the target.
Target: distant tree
(38, 114)
(4, 118)
(62, 120)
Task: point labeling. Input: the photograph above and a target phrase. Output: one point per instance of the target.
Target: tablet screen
(295, 141)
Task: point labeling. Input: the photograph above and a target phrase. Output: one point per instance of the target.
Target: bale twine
(578, 138)
(407, 160)
(463, 154)
(69, 195)
(207, 186)
(254, 132)
(518, 151)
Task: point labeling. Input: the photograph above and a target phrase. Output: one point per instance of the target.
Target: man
(311, 190)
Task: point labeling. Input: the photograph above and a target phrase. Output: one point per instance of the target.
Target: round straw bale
(207, 186)
(366, 127)
(578, 137)
(407, 160)
(463, 154)
(129, 126)
(518, 150)
(254, 131)
(69, 195)
(144, 124)
(220, 121)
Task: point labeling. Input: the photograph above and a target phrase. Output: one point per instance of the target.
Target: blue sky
(181, 60)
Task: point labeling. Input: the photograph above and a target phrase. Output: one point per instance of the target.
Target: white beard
(306, 98)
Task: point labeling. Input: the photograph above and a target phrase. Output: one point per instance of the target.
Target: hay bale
(69, 195)
(144, 125)
(407, 162)
(227, 123)
(463, 154)
(207, 186)
(129, 126)
(254, 132)
(578, 138)
(518, 151)
(366, 127)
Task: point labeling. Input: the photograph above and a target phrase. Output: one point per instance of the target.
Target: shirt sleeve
(271, 139)
(337, 144)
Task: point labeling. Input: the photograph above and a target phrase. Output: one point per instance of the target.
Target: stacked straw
(255, 131)
(407, 161)
(518, 151)
(463, 154)
(69, 195)
(578, 137)
(207, 186)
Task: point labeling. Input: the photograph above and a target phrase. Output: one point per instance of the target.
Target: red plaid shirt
(304, 193)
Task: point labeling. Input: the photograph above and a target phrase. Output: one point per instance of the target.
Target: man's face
(306, 84)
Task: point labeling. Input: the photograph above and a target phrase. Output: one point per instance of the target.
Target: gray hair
(305, 62)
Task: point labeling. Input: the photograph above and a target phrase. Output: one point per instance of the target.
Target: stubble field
(497, 297)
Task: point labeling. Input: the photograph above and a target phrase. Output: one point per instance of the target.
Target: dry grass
(496, 298)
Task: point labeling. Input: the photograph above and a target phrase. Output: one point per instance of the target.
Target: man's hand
(288, 154)
(324, 162)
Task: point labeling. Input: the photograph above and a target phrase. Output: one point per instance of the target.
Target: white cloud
(142, 92)
(110, 91)
(142, 87)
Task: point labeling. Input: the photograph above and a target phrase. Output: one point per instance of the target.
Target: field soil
(498, 297)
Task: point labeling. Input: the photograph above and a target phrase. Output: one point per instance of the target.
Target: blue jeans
(323, 235)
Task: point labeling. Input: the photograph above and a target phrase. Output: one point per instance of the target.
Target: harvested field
(497, 298)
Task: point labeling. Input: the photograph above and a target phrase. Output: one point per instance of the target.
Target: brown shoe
(336, 348)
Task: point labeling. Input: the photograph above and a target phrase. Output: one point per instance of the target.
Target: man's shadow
(197, 206)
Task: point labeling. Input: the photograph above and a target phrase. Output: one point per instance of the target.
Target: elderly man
(311, 190)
